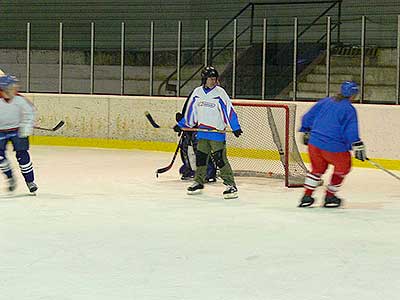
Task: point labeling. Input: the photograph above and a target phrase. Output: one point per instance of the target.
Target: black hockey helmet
(207, 72)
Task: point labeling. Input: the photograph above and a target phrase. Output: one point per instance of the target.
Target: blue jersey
(333, 125)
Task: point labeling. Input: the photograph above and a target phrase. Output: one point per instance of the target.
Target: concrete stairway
(380, 76)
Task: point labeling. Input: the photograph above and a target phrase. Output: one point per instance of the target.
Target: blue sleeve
(182, 123)
(308, 119)
(190, 117)
(233, 120)
(229, 113)
(350, 127)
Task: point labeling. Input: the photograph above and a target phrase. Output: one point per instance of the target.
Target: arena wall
(119, 122)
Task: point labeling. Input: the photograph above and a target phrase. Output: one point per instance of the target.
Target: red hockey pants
(321, 159)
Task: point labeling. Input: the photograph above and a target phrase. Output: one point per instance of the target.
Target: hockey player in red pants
(330, 130)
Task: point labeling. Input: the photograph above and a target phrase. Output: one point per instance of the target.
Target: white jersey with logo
(15, 113)
(210, 109)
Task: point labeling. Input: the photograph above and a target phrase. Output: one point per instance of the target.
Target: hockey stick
(155, 125)
(382, 168)
(167, 168)
(55, 128)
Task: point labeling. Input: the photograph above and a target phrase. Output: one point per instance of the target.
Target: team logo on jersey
(207, 104)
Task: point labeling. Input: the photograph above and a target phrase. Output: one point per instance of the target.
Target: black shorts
(19, 144)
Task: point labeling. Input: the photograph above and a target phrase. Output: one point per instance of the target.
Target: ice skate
(211, 180)
(12, 184)
(332, 201)
(187, 176)
(306, 201)
(230, 192)
(32, 186)
(195, 188)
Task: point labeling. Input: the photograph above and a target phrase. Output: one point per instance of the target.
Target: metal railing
(211, 52)
(252, 7)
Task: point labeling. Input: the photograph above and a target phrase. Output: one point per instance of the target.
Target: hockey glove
(176, 128)
(24, 132)
(237, 132)
(306, 138)
(359, 150)
(178, 117)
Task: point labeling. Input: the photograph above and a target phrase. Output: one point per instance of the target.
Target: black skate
(195, 188)
(306, 201)
(32, 186)
(230, 192)
(12, 184)
(332, 201)
(187, 177)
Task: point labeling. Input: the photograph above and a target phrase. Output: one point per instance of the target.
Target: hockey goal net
(267, 147)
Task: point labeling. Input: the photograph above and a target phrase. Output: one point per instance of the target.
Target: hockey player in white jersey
(210, 108)
(16, 124)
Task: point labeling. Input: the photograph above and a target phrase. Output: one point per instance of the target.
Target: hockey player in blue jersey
(330, 130)
(16, 124)
(210, 108)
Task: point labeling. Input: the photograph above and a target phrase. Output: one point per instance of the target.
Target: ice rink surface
(103, 227)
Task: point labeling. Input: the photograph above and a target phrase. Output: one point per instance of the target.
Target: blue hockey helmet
(349, 88)
(7, 81)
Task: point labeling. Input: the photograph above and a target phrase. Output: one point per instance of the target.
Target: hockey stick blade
(55, 128)
(151, 120)
(58, 126)
(167, 168)
(382, 168)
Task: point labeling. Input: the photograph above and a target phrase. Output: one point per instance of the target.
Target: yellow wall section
(102, 143)
(386, 163)
(170, 147)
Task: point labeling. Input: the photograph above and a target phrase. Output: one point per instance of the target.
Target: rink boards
(119, 122)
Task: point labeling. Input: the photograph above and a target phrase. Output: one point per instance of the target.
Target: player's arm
(351, 134)
(27, 117)
(180, 115)
(308, 119)
(189, 119)
(230, 115)
(350, 126)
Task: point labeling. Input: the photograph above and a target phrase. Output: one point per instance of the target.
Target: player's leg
(211, 170)
(221, 161)
(21, 147)
(202, 153)
(187, 156)
(313, 178)
(4, 163)
(341, 162)
(211, 175)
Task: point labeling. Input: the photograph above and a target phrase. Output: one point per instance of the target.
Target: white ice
(103, 227)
